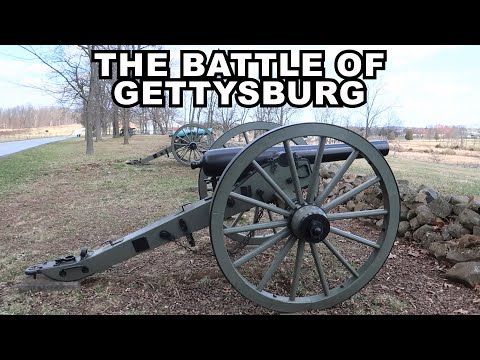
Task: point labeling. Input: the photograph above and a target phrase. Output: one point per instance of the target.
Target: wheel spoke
(270, 217)
(298, 269)
(252, 227)
(193, 134)
(180, 145)
(255, 218)
(256, 215)
(183, 150)
(245, 136)
(356, 214)
(197, 152)
(273, 184)
(184, 155)
(354, 237)
(315, 182)
(276, 263)
(261, 248)
(249, 200)
(186, 135)
(339, 175)
(351, 193)
(237, 219)
(182, 139)
(321, 274)
(293, 172)
(340, 258)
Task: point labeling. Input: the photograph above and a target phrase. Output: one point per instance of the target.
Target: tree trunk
(95, 89)
(89, 127)
(198, 115)
(105, 125)
(126, 113)
(115, 121)
(90, 110)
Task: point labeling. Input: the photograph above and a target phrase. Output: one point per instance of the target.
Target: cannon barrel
(214, 162)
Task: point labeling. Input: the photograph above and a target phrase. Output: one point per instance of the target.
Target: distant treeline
(27, 116)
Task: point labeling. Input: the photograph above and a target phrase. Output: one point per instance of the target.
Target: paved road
(7, 148)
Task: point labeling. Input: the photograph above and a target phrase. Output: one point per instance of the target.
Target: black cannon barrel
(213, 162)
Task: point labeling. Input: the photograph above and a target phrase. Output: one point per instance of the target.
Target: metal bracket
(188, 235)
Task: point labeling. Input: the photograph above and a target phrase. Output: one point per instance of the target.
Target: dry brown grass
(34, 133)
(449, 151)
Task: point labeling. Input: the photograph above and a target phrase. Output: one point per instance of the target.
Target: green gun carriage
(278, 234)
(188, 143)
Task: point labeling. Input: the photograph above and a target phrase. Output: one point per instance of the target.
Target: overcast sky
(429, 84)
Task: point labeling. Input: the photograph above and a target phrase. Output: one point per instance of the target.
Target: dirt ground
(85, 202)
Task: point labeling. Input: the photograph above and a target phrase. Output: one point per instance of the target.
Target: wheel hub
(192, 146)
(310, 223)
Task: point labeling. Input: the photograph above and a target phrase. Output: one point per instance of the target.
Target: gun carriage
(188, 143)
(277, 233)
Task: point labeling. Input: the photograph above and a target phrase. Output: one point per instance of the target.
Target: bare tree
(228, 118)
(326, 115)
(284, 114)
(346, 120)
(73, 80)
(266, 114)
(126, 114)
(165, 116)
(373, 109)
(96, 100)
(391, 123)
(26, 116)
(211, 106)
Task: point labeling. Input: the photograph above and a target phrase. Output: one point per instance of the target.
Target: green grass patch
(20, 168)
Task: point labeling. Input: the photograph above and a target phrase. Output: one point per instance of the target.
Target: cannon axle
(310, 224)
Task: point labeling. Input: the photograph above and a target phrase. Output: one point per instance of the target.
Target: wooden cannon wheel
(317, 258)
(189, 142)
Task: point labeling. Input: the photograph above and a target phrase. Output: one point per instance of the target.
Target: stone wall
(448, 226)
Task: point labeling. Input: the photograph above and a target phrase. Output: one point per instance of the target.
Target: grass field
(446, 178)
(35, 133)
(421, 144)
(56, 199)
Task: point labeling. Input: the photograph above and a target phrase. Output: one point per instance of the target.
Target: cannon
(188, 143)
(308, 253)
(192, 140)
(244, 132)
